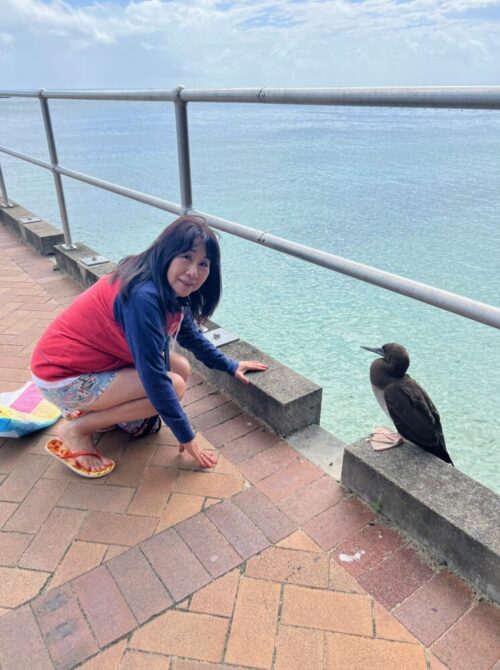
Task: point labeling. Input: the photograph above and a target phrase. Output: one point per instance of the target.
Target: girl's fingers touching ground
(204, 458)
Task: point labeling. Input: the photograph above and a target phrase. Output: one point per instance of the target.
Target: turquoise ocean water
(414, 192)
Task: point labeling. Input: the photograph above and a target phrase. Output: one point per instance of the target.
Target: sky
(245, 43)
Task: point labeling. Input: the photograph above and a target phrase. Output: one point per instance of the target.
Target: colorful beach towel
(24, 411)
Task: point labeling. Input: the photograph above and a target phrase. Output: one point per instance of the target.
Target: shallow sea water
(414, 192)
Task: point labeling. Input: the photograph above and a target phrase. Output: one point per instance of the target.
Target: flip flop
(56, 449)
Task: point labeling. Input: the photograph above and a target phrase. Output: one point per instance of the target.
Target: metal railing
(437, 97)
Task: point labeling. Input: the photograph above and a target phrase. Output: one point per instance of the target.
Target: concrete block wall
(452, 515)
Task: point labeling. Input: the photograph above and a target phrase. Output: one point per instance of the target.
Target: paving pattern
(264, 562)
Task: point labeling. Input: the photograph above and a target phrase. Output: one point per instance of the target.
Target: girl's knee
(180, 365)
(179, 384)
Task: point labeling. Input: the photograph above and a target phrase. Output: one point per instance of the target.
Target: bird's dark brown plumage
(405, 402)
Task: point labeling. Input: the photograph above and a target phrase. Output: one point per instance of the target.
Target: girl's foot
(75, 441)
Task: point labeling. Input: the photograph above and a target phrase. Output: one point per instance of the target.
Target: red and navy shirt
(100, 331)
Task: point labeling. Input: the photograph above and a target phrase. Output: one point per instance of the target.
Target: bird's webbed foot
(382, 438)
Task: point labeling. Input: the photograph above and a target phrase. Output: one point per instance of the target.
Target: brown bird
(405, 402)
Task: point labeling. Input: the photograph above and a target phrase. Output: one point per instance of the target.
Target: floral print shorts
(79, 394)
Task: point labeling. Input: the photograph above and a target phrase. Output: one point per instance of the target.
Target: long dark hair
(153, 263)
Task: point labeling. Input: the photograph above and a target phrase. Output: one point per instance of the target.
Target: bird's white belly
(381, 400)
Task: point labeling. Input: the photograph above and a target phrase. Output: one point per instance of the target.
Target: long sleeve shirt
(100, 331)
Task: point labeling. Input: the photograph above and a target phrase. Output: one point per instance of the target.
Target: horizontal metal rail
(152, 95)
(444, 97)
(145, 198)
(460, 97)
(451, 302)
(463, 97)
(25, 157)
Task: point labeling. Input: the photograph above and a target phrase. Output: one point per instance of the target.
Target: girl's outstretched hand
(245, 366)
(204, 458)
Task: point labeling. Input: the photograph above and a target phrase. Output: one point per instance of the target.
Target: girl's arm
(191, 338)
(143, 324)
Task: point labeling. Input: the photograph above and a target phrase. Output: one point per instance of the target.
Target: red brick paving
(317, 497)
(366, 548)
(244, 602)
(268, 462)
(139, 584)
(294, 477)
(53, 540)
(237, 528)
(336, 524)
(210, 547)
(435, 607)
(175, 564)
(21, 643)
(104, 606)
(63, 627)
(260, 510)
(473, 643)
(249, 445)
(230, 430)
(393, 580)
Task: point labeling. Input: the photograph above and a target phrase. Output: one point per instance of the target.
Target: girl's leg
(124, 400)
(180, 365)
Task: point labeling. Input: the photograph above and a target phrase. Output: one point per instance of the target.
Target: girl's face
(188, 271)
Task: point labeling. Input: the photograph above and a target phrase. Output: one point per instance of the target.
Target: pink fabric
(28, 400)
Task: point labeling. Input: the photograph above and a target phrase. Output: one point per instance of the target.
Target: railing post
(181, 124)
(4, 199)
(47, 122)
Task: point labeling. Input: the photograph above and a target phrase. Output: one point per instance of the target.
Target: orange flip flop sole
(56, 449)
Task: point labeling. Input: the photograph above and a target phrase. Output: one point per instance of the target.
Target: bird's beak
(379, 351)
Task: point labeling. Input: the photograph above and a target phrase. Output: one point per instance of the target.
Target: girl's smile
(188, 271)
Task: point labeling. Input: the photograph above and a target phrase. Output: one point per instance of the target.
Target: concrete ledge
(70, 261)
(453, 516)
(280, 397)
(320, 447)
(41, 235)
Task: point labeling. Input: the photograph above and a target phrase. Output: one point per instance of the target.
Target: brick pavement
(264, 562)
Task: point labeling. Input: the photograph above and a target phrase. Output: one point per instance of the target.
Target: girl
(106, 358)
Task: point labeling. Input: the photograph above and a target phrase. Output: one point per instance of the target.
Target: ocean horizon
(415, 192)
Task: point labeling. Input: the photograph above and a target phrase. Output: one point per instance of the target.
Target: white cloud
(146, 43)
(5, 38)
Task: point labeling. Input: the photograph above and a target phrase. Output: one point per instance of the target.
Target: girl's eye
(187, 257)
(205, 264)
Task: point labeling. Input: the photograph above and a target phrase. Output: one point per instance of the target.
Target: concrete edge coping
(40, 234)
(453, 516)
(281, 398)
(320, 447)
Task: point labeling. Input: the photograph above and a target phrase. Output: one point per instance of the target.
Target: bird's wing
(416, 417)
(412, 416)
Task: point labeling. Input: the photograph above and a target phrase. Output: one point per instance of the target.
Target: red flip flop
(56, 449)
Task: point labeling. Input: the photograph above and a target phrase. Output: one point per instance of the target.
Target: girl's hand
(244, 366)
(204, 458)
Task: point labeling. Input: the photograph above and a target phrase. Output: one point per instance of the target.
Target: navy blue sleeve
(144, 326)
(191, 338)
